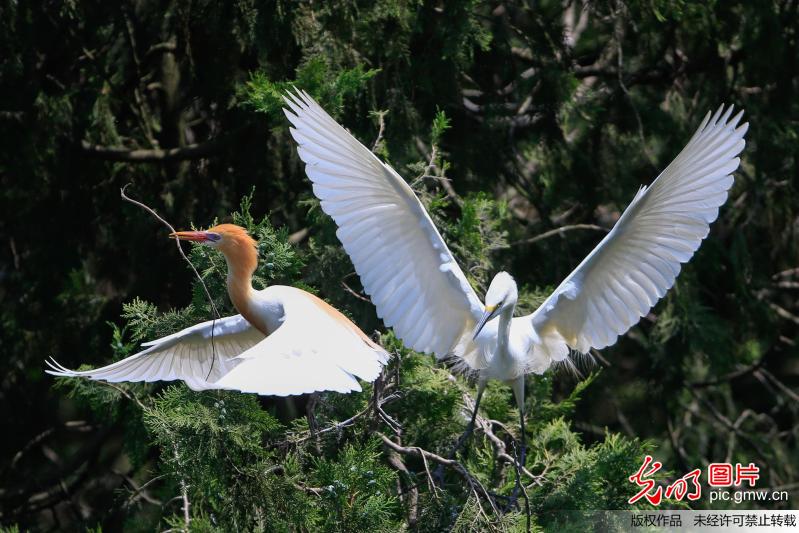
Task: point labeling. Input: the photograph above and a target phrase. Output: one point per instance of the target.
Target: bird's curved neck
(239, 286)
(241, 264)
(505, 317)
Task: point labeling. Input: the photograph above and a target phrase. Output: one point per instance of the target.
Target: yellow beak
(490, 312)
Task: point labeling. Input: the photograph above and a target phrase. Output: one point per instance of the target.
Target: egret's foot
(462, 443)
(512, 501)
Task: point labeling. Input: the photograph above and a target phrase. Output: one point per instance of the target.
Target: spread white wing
(638, 261)
(316, 348)
(187, 355)
(404, 264)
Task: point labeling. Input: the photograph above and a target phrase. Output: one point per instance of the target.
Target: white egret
(419, 289)
(284, 341)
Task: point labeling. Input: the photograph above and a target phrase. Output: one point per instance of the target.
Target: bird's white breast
(268, 305)
(512, 362)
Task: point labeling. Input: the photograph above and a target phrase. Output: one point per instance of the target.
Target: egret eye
(214, 237)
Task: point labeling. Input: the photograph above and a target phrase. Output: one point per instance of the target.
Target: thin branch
(353, 291)
(177, 243)
(381, 120)
(139, 490)
(786, 273)
(678, 448)
(725, 422)
(727, 377)
(780, 385)
(142, 110)
(784, 313)
(348, 422)
(474, 483)
(111, 153)
(395, 426)
(77, 465)
(184, 492)
(191, 265)
(126, 394)
(559, 231)
(439, 175)
(485, 425)
(169, 46)
(75, 425)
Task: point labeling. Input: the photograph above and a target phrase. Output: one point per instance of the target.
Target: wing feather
(404, 264)
(638, 261)
(316, 348)
(184, 355)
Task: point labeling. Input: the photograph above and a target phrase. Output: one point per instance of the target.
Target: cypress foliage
(524, 127)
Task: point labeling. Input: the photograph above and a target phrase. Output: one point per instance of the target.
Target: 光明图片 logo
(688, 486)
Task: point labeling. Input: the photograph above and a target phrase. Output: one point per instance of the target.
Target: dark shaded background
(559, 108)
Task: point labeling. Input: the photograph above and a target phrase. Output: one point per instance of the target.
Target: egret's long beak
(196, 236)
(491, 311)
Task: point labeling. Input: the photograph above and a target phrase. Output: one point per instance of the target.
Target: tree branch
(474, 483)
(559, 231)
(727, 377)
(216, 316)
(192, 151)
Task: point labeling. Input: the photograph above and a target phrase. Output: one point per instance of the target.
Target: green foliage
(579, 477)
(525, 129)
(440, 125)
(313, 76)
(357, 490)
(239, 467)
(213, 445)
(147, 322)
(478, 232)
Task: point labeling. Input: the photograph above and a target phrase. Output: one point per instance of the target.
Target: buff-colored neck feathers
(241, 254)
(239, 249)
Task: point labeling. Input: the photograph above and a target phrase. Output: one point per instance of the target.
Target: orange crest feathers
(238, 247)
(233, 234)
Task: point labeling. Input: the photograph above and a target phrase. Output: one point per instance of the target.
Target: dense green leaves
(525, 128)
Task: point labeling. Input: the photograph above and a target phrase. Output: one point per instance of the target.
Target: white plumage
(186, 355)
(420, 291)
(404, 264)
(311, 350)
(638, 261)
(286, 341)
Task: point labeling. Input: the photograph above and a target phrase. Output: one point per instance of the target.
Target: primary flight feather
(418, 288)
(284, 341)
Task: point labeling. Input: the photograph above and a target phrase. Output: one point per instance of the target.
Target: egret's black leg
(521, 461)
(521, 455)
(463, 439)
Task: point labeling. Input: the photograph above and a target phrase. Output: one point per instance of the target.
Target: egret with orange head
(284, 340)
